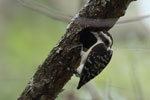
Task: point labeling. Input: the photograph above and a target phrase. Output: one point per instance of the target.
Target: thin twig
(81, 3)
(109, 91)
(136, 82)
(45, 10)
(95, 94)
(57, 15)
(71, 96)
(134, 19)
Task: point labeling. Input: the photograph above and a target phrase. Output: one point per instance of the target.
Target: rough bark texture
(52, 75)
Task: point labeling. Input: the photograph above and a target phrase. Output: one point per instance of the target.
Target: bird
(96, 58)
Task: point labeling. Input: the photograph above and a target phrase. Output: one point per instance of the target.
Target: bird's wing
(96, 61)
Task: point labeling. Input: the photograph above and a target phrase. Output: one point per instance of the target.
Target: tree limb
(52, 75)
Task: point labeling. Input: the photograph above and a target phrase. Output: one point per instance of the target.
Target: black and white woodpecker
(96, 58)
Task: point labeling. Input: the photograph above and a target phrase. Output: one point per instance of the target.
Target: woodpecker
(96, 58)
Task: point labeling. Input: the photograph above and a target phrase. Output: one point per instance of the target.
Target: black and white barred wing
(96, 61)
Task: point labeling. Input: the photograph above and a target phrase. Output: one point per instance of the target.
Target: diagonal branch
(52, 75)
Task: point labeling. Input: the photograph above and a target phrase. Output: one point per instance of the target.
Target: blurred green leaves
(27, 39)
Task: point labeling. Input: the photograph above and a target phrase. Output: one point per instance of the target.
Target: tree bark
(53, 74)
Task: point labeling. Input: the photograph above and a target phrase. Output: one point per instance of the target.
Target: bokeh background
(27, 36)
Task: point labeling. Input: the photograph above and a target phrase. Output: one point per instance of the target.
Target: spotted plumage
(96, 58)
